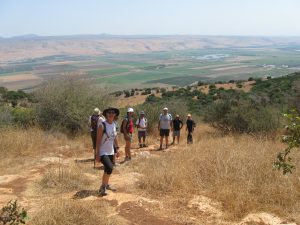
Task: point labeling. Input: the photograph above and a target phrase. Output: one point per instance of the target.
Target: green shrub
(6, 116)
(23, 116)
(292, 139)
(12, 214)
(66, 104)
(241, 117)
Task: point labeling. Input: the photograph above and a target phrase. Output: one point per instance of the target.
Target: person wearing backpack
(177, 126)
(190, 127)
(127, 130)
(164, 126)
(106, 141)
(141, 124)
(93, 124)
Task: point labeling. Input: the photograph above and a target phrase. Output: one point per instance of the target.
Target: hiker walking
(164, 126)
(93, 124)
(141, 124)
(190, 126)
(106, 140)
(177, 126)
(127, 130)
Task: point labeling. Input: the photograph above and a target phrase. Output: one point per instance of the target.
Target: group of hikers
(104, 129)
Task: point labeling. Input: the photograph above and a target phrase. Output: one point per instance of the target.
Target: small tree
(67, 104)
(292, 139)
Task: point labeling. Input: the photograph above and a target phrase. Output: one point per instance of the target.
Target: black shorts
(164, 132)
(141, 134)
(107, 161)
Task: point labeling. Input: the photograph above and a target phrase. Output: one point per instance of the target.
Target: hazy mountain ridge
(33, 46)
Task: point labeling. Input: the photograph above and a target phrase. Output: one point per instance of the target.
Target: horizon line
(146, 35)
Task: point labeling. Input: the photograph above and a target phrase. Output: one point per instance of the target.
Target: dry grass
(237, 171)
(62, 179)
(71, 212)
(21, 148)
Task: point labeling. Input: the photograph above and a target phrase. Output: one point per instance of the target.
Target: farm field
(176, 68)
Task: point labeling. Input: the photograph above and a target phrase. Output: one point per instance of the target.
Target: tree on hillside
(66, 105)
(292, 139)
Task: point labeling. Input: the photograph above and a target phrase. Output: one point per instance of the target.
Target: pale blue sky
(155, 17)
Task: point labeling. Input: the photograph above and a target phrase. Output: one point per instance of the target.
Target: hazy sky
(199, 17)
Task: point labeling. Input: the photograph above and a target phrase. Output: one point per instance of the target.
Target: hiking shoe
(102, 190)
(144, 145)
(127, 158)
(109, 187)
(141, 145)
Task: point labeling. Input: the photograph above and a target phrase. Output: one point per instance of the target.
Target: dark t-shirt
(177, 125)
(190, 125)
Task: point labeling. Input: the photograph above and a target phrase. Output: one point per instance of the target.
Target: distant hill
(33, 46)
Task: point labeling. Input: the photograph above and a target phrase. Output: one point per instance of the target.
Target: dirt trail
(134, 208)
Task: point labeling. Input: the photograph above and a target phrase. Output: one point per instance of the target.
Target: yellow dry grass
(24, 147)
(236, 171)
(69, 212)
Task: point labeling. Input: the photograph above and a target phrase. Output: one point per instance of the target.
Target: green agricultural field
(173, 67)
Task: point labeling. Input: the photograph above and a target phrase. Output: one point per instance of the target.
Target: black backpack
(94, 122)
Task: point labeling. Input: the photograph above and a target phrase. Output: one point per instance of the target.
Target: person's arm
(98, 143)
(90, 121)
(158, 124)
(186, 129)
(116, 144)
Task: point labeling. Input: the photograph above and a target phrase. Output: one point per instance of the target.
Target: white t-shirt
(108, 138)
(165, 121)
(143, 124)
(100, 120)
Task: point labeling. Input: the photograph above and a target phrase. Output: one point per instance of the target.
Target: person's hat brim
(117, 111)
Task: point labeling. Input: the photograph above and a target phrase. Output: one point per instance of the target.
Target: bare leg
(178, 137)
(161, 141)
(105, 179)
(127, 149)
(167, 141)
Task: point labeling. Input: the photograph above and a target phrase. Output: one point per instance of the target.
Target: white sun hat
(130, 110)
(165, 109)
(97, 111)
